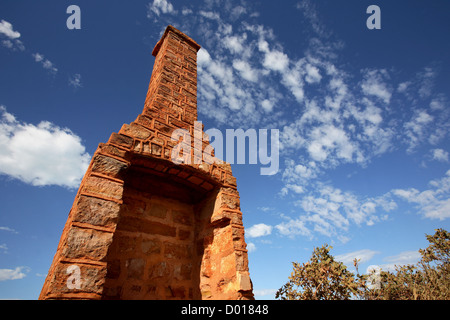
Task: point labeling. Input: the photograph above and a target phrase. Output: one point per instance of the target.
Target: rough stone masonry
(143, 227)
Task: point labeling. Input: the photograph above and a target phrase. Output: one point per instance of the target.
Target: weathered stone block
(87, 244)
(157, 210)
(145, 226)
(135, 130)
(156, 149)
(103, 187)
(182, 217)
(245, 283)
(68, 277)
(183, 271)
(160, 270)
(121, 140)
(177, 251)
(229, 201)
(108, 166)
(135, 268)
(184, 234)
(97, 212)
(150, 246)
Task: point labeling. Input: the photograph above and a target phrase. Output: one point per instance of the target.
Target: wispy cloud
(75, 81)
(293, 227)
(262, 293)
(42, 154)
(8, 229)
(12, 36)
(46, 64)
(3, 248)
(258, 230)
(401, 259)
(328, 116)
(433, 203)
(13, 274)
(251, 247)
(331, 212)
(375, 83)
(439, 155)
(158, 7)
(364, 255)
(311, 15)
(6, 29)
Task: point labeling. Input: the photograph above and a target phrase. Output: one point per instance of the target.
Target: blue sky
(363, 117)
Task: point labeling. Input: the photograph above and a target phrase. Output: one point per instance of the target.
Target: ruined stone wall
(143, 227)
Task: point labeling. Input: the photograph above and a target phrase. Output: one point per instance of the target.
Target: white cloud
(75, 81)
(295, 188)
(375, 84)
(440, 155)
(210, 15)
(401, 259)
(160, 6)
(417, 128)
(364, 255)
(237, 11)
(420, 86)
(267, 105)
(8, 229)
(438, 103)
(276, 60)
(293, 227)
(310, 14)
(186, 11)
(12, 42)
(4, 248)
(235, 44)
(225, 88)
(245, 70)
(260, 293)
(292, 78)
(426, 79)
(13, 274)
(258, 230)
(203, 57)
(433, 203)
(42, 154)
(312, 74)
(46, 64)
(38, 57)
(330, 211)
(338, 126)
(251, 247)
(328, 139)
(6, 29)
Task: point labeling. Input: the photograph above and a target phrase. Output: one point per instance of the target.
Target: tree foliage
(324, 278)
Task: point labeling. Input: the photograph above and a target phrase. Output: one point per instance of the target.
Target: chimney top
(174, 30)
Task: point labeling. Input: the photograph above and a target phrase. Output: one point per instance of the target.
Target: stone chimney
(145, 227)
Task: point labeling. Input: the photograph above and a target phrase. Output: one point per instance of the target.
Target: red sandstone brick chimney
(143, 227)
